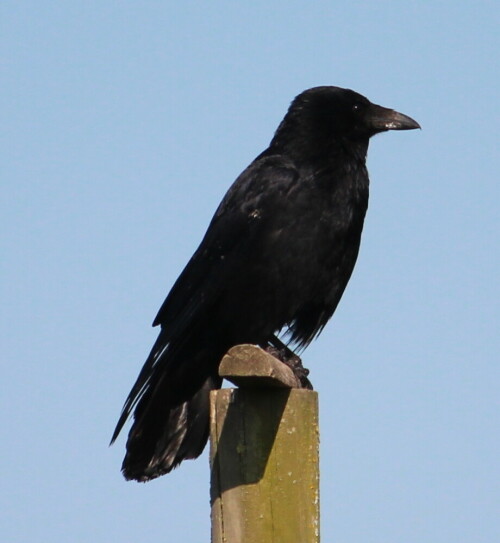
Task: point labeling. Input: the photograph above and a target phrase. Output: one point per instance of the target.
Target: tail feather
(164, 435)
(149, 369)
(170, 405)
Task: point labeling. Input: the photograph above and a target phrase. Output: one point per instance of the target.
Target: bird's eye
(357, 107)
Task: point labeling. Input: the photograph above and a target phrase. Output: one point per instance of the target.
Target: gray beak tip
(398, 121)
(382, 119)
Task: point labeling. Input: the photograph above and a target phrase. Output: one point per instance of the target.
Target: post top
(249, 365)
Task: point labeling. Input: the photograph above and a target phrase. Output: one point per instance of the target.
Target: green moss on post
(264, 462)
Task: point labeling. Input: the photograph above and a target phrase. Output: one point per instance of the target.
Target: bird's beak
(382, 118)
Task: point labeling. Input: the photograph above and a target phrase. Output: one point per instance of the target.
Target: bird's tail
(164, 434)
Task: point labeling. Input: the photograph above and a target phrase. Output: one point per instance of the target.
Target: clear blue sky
(123, 124)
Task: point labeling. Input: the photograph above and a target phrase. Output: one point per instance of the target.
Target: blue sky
(123, 124)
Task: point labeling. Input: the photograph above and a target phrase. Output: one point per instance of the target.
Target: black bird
(277, 255)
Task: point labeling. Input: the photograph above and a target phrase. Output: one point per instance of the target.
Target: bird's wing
(232, 238)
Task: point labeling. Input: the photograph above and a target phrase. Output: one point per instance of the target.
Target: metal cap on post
(264, 443)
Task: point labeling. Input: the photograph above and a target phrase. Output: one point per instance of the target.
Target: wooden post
(263, 453)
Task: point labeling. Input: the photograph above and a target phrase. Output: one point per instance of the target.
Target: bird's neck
(315, 148)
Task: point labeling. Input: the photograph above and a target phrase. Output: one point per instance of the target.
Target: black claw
(288, 357)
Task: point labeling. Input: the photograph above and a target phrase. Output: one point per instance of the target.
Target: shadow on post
(247, 436)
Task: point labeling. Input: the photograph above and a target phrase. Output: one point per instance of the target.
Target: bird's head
(322, 115)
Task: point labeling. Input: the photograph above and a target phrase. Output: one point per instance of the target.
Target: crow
(276, 258)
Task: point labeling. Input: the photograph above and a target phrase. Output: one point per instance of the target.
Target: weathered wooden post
(264, 453)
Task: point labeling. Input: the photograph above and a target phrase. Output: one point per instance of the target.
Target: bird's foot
(290, 359)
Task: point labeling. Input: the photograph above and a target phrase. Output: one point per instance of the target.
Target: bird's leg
(284, 354)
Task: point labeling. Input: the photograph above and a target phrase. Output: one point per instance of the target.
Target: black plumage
(277, 255)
